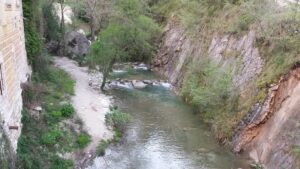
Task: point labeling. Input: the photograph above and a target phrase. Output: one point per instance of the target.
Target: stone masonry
(14, 69)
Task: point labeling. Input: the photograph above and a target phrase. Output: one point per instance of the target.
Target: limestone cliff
(268, 131)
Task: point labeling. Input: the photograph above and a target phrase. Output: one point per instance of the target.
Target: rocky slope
(268, 132)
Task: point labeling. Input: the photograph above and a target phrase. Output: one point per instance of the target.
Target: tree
(96, 12)
(110, 48)
(62, 26)
(130, 36)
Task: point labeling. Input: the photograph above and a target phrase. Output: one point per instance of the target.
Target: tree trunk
(62, 27)
(105, 74)
(92, 29)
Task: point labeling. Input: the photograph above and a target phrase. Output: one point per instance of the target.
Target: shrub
(102, 146)
(209, 89)
(52, 136)
(241, 23)
(117, 119)
(56, 114)
(52, 28)
(83, 140)
(59, 163)
(67, 110)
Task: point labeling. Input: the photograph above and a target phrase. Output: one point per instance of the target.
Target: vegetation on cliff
(50, 132)
(277, 38)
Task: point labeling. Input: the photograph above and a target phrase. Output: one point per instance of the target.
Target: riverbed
(164, 133)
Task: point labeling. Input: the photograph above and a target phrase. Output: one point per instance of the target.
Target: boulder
(52, 47)
(76, 44)
(139, 84)
(149, 82)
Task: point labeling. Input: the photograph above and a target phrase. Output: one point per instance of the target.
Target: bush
(83, 140)
(209, 89)
(56, 114)
(117, 119)
(67, 110)
(102, 146)
(59, 163)
(52, 28)
(52, 136)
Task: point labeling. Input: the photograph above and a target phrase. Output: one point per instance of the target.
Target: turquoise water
(164, 133)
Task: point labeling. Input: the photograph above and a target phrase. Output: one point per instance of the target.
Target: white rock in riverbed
(139, 84)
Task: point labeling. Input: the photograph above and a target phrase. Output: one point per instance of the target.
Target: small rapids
(164, 133)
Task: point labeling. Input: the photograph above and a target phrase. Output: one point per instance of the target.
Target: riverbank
(163, 131)
(90, 105)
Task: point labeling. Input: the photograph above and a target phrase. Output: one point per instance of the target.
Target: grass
(102, 147)
(83, 140)
(43, 138)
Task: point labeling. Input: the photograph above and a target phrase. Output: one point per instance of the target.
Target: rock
(149, 82)
(138, 84)
(203, 150)
(76, 44)
(81, 31)
(52, 47)
(38, 108)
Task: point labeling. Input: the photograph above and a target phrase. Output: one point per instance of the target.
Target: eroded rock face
(76, 44)
(270, 131)
(236, 53)
(242, 55)
(174, 52)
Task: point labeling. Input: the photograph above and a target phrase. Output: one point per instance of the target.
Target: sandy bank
(91, 105)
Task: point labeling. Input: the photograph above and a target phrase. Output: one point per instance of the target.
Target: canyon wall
(268, 131)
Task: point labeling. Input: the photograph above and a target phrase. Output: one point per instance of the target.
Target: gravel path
(91, 105)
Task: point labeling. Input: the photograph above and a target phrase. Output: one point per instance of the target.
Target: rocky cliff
(268, 130)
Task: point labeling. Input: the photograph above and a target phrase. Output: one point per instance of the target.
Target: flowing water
(164, 133)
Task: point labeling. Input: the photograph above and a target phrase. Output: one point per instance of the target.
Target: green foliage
(102, 146)
(131, 35)
(117, 119)
(52, 28)
(52, 136)
(67, 110)
(56, 114)
(130, 8)
(241, 24)
(59, 163)
(83, 140)
(33, 39)
(43, 138)
(207, 87)
(63, 82)
(6, 153)
(210, 89)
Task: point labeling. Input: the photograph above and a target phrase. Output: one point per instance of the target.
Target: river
(164, 133)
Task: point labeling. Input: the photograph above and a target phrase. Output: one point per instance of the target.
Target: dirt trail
(91, 105)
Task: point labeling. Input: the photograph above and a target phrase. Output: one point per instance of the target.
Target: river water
(164, 133)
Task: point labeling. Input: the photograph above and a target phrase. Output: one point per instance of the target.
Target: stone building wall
(14, 69)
